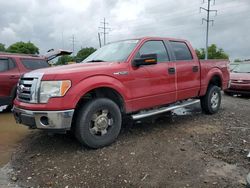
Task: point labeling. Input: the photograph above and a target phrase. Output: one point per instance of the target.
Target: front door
(153, 85)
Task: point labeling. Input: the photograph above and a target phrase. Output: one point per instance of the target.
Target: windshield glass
(242, 68)
(114, 52)
(33, 64)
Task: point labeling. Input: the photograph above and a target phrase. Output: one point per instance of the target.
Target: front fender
(91, 83)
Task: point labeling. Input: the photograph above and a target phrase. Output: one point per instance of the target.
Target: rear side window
(181, 51)
(154, 47)
(6, 64)
(33, 64)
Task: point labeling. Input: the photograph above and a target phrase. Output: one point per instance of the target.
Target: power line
(207, 20)
(105, 28)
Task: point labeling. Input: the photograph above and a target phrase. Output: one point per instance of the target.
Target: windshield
(242, 68)
(114, 52)
(33, 64)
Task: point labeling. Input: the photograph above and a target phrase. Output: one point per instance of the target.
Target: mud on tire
(210, 103)
(98, 123)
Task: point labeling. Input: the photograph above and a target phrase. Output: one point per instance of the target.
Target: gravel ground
(189, 149)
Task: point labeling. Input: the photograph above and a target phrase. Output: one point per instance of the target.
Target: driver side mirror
(146, 59)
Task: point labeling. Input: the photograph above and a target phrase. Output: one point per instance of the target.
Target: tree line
(29, 48)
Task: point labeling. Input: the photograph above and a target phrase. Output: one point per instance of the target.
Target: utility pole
(105, 28)
(73, 43)
(207, 20)
(99, 38)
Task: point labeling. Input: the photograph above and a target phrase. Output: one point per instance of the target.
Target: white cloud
(51, 24)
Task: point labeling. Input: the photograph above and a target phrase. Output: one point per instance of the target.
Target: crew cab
(136, 78)
(12, 66)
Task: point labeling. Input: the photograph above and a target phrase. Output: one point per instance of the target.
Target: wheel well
(103, 92)
(216, 80)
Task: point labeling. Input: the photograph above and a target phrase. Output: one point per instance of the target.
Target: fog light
(44, 120)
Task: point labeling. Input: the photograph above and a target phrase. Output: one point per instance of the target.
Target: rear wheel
(210, 103)
(98, 123)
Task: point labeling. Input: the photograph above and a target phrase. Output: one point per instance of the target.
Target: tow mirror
(146, 59)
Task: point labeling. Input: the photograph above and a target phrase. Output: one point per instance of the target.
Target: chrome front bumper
(57, 120)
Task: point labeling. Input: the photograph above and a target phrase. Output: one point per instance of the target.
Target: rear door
(9, 75)
(187, 70)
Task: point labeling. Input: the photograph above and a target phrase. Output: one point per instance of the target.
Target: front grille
(241, 81)
(27, 88)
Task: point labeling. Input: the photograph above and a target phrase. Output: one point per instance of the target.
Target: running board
(163, 109)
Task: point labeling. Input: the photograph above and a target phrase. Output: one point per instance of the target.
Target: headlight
(51, 89)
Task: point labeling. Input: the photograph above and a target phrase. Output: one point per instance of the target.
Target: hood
(80, 70)
(239, 76)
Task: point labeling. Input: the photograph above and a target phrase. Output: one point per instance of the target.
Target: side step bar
(163, 109)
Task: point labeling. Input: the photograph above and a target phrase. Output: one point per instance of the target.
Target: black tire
(107, 116)
(209, 104)
(8, 108)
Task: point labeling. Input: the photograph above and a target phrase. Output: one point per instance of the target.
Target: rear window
(6, 64)
(181, 51)
(33, 64)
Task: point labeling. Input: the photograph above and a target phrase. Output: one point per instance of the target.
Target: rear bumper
(51, 120)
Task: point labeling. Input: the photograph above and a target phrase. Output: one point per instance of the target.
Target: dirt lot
(189, 149)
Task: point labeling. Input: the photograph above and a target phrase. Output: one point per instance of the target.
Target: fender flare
(212, 73)
(91, 83)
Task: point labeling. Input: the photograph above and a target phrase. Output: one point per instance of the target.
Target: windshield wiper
(96, 60)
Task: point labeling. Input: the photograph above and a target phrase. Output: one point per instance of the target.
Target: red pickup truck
(12, 66)
(137, 78)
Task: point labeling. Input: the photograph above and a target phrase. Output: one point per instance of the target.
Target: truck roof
(19, 55)
(157, 38)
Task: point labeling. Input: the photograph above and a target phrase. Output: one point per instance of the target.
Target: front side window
(113, 52)
(181, 51)
(33, 64)
(154, 47)
(6, 64)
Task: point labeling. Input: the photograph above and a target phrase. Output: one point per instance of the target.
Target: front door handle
(171, 70)
(195, 68)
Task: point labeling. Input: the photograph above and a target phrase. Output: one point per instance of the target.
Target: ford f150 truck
(136, 78)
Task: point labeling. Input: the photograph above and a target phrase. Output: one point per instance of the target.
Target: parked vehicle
(240, 80)
(12, 66)
(136, 78)
(233, 65)
(248, 181)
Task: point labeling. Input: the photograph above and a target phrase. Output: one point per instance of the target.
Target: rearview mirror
(146, 59)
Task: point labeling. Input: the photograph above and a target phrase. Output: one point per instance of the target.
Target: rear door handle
(171, 70)
(195, 68)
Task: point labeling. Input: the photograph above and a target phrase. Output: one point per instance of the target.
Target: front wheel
(210, 103)
(98, 123)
